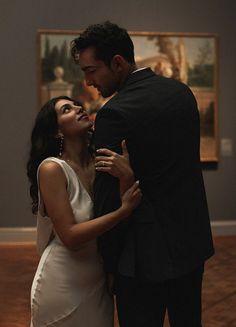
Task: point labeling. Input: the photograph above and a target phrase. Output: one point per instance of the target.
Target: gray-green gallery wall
(19, 21)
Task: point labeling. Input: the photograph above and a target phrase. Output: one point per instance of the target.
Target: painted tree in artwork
(59, 56)
(202, 73)
(63, 58)
(166, 47)
(47, 73)
(172, 52)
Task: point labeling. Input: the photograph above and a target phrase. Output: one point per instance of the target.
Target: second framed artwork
(189, 57)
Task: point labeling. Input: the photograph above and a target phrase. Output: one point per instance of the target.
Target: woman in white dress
(69, 287)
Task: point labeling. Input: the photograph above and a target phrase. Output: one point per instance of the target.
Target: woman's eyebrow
(65, 106)
(78, 104)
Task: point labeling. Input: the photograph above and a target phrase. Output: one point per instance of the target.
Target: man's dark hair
(108, 39)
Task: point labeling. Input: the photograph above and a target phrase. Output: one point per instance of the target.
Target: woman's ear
(59, 134)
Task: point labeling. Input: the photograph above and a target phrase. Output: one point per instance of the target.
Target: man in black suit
(158, 255)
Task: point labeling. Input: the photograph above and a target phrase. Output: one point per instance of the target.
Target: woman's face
(72, 119)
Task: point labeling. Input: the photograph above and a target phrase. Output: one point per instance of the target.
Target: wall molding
(28, 234)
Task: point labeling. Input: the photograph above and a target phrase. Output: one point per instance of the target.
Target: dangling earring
(61, 145)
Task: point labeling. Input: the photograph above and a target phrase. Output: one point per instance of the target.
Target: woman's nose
(89, 82)
(79, 109)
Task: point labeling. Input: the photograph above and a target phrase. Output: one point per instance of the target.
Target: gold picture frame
(189, 57)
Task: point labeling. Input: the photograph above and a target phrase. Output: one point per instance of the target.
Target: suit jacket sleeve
(110, 130)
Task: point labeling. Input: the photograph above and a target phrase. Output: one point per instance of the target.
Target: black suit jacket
(169, 233)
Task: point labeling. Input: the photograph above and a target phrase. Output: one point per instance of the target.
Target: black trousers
(144, 304)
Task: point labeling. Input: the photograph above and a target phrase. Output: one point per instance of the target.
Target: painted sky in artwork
(145, 48)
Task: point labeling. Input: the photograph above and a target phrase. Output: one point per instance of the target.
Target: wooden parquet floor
(18, 262)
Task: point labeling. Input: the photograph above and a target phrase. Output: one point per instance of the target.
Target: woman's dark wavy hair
(108, 39)
(44, 143)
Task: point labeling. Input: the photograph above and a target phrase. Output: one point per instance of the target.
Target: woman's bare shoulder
(51, 169)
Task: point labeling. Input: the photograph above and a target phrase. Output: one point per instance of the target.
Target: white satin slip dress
(69, 288)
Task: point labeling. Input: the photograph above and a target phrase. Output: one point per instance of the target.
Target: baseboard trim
(223, 227)
(28, 234)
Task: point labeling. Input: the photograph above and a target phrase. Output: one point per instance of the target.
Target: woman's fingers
(103, 166)
(103, 158)
(106, 152)
(132, 196)
(137, 193)
(111, 153)
(134, 187)
(124, 149)
(116, 165)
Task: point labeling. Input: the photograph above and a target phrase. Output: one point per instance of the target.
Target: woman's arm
(52, 184)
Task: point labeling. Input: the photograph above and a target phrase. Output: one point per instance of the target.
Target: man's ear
(118, 63)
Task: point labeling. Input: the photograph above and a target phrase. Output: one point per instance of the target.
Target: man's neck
(126, 73)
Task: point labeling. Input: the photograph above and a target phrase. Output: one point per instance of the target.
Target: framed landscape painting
(189, 57)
